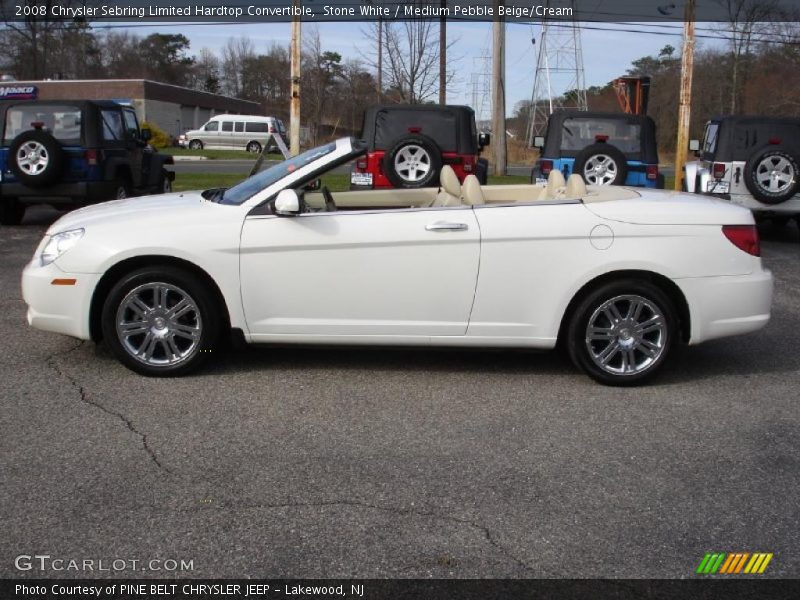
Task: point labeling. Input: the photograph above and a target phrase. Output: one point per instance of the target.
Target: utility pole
(294, 112)
(380, 59)
(443, 56)
(684, 112)
(499, 94)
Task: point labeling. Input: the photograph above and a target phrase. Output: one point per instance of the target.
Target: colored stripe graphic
(734, 563)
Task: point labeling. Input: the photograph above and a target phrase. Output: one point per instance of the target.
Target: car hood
(127, 210)
(660, 207)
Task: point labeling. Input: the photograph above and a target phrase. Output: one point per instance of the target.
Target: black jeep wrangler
(407, 145)
(69, 153)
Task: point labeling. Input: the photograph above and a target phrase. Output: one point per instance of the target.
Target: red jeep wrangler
(408, 144)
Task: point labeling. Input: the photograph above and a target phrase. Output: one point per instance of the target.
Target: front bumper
(58, 308)
(727, 305)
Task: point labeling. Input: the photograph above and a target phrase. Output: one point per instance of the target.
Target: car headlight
(58, 244)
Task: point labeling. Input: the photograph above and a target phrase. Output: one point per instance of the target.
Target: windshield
(710, 138)
(262, 180)
(578, 132)
(62, 121)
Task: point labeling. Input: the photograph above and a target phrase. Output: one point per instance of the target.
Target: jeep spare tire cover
(601, 164)
(413, 161)
(36, 158)
(771, 174)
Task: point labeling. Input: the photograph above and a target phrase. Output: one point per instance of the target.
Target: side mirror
(484, 139)
(146, 134)
(287, 204)
(538, 141)
(694, 145)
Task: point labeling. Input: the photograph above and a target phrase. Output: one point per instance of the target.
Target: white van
(235, 132)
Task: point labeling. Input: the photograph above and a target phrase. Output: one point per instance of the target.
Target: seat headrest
(555, 185)
(473, 194)
(576, 187)
(449, 181)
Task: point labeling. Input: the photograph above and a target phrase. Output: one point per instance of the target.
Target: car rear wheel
(165, 183)
(122, 189)
(414, 161)
(254, 147)
(771, 175)
(601, 164)
(195, 145)
(160, 321)
(621, 333)
(36, 158)
(11, 211)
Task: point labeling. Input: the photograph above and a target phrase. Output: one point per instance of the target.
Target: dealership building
(172, 108)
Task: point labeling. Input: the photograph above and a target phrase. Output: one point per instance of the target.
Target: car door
(391, 273)
(210, 135)
(139, 159)
(226, 135)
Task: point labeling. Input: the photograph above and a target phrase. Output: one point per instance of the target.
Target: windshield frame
(345, 149)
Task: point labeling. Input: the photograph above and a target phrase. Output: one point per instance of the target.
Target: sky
(606, 54)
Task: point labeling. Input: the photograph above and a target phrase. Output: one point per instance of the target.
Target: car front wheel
(195, 145)
(621, 333)
(160, 321)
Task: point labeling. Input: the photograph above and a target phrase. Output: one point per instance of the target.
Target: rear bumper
(58, 308)
(62, 192)
(727, 305)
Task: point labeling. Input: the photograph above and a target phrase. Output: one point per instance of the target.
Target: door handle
(446, 226)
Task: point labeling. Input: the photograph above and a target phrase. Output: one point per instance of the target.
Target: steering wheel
(330, 205)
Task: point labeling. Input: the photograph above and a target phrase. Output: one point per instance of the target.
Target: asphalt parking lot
(399, 463)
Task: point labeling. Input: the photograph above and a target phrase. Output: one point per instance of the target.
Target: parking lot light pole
(294, 109)
(684, 112)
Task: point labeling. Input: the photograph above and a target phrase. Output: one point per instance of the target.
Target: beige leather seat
(576, 187)
(449, 190)
(556, 185)
(473, 194)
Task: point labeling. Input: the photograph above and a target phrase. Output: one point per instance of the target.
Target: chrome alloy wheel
(159, 324)
(412, 163)
(626, 335)
(32, 157)
(775, 174)
(600, 169)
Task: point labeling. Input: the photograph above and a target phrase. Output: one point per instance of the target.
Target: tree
(321, 69)
(166, 58)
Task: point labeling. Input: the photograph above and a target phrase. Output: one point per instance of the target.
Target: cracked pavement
(327, 462)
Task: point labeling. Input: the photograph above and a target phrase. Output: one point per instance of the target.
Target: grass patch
(219, 154)
(335, 182)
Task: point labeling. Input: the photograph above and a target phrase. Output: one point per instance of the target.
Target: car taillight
(545, 167)
(361, 164)
(272, 129)
(91, 157)
(718, 170)
(744, 237)
(652, 172)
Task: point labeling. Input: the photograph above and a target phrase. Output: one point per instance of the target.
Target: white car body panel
(505, 278)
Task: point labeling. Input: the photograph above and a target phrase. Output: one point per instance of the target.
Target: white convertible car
(618, 276)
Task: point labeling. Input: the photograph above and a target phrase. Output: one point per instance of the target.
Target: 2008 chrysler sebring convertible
(618, 276)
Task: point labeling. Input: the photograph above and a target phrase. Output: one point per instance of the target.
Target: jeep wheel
(164, 183)
(36, 158)
(414, 161)
(11, 211)
(195, 145)
(122, 190)
(771, 175)
(254, 147)
(601, 164)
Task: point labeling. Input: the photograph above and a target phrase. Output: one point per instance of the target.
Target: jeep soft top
(731, 137)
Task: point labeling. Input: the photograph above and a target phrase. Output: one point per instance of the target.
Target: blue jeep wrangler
(605, 148)
(70, 153)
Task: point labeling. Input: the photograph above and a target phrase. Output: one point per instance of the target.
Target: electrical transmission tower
(480, 86)
(559, 81)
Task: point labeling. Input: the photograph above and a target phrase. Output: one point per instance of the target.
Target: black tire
(779, 222)
(584, 353)
(164, 183)
(757, 167)
(612, 152)
(482, 171)
(195, 145)
(11, 211)
(122, 189)
(206, 308)
(254, 147)
(49, 153)
(421, 146)
(661, 182)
